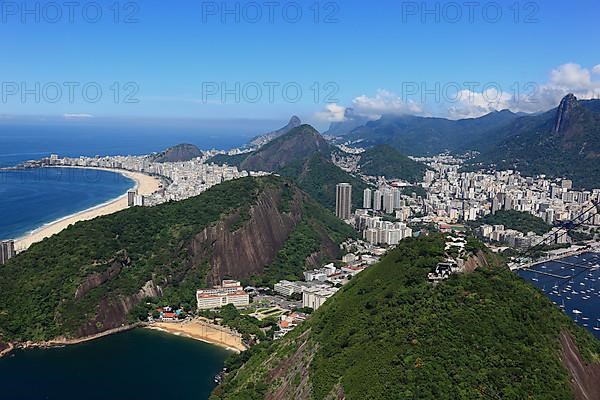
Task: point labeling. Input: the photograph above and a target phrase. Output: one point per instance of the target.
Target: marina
(573, 284)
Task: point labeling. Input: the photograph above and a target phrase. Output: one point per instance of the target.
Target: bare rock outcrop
(245, 251)
(112, 313)
(585, 377)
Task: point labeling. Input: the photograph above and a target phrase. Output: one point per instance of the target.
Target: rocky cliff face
(245, 251)
(112, 313)
(564, 113)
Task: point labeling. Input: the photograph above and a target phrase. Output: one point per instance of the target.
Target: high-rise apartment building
(367, 198)
(343, 201)
(131, 198)
(7, 250)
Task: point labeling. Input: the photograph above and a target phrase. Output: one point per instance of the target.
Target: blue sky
(178, 55)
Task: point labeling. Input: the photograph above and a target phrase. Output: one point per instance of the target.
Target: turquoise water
(32, 198)
(139, 364)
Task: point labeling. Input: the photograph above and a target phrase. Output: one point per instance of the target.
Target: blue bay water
(573, 284)
(26, 203)
(138, 364)
(31, 198)
(132, 365)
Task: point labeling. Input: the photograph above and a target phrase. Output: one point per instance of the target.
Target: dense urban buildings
(181, 180)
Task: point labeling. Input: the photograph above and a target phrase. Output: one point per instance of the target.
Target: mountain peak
(295, 121)
(261, 140)
(299, 143)
(179, 153)
(564, 113)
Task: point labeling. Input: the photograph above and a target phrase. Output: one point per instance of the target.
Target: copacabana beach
(144, 184)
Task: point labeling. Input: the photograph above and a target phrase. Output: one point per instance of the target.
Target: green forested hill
(384, 160)
(318, 176)
(564, 142)
(304, 156)
(391, 335)
(87, 278)
(519, 221)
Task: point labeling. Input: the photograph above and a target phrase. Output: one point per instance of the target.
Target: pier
(546, 273)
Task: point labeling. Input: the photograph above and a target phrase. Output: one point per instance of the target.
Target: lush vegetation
(384, 160)
(318, 177)
(389, 334)
(233, 161)
(519, 221)
(426, 136)
(416, 190)
(62, 283)
(38, 287)
(317, 227)
(533, 146)
(231, 317)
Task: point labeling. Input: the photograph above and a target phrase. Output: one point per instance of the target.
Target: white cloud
(332, 113)
(77, 116)
(384, 102)
(571, 76)
(531, 97)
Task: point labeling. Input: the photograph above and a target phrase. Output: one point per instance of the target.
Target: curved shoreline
(197, 329)
(144, 184)
(204, 331)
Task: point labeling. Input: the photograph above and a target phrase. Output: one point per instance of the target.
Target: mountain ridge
(389, 334)
(562, 142)
(96, 272)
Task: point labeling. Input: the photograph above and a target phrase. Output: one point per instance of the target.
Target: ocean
(573, 284)
(139, 364)
(31, 199)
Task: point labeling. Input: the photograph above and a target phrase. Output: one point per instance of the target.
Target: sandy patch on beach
(145, 185)
(203, 330)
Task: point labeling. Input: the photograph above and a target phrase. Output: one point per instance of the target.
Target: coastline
(197, 329)
(62, 342)
(144, 184)
(202, 330)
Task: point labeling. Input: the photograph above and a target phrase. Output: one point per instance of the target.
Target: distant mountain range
(179, 153)
(563, 142)
(421, 136)
(351, 121)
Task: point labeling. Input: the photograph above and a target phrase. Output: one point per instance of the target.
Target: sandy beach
(203, 330)
(145, 185)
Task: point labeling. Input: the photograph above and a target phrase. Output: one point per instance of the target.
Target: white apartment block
(230, 292)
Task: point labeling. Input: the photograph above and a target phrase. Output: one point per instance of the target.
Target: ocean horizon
(32, 199)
